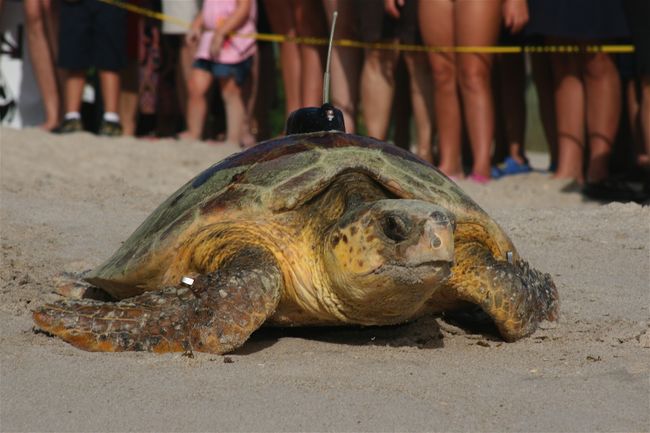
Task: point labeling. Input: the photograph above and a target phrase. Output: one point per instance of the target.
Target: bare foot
(577, 179)
(187, 136)
(247, 141)
(452, 174)
(221, 143)
(48, 126)
(426, 156)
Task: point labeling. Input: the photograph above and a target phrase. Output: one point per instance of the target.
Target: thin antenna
(326, 77)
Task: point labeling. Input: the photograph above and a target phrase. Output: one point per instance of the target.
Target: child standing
(227, 58)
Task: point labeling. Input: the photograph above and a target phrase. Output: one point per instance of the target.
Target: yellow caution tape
(148, 13)
(266, 37)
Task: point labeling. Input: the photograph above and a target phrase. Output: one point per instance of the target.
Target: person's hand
(515, 15)
(216, 44)
(192, 36)
(392, 7)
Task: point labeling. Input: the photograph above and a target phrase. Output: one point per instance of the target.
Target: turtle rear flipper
(514, 295)
(216, 314)
(72, 285)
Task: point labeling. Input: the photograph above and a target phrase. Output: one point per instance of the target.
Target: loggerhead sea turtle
(323, 228)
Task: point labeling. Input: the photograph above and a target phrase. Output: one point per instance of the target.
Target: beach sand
(67, 202)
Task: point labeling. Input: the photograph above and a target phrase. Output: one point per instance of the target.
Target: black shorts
(578, 20)
(92, 33)
(638, 13)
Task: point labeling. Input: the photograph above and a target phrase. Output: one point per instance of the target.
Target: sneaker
(613, 189)
(110, 129)
(69, 126)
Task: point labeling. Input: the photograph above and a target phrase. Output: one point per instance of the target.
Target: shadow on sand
(423, 333)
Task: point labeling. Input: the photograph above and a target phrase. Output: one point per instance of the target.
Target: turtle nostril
(395, 228)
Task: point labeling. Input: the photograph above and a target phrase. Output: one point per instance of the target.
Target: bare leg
(38, 14)
(110, 83)
(249, 94)
(265, 93)
(377, 88)
(401, 109)
(236, 119)
(311, 22)
(183, 72)
(280, 16)
(129, 98)
(421, 100)
(645, 114)
(74, 87)
(197, 106)
(512, 74)
(543, 78)
(51, 12)
(52, 28)
(437, 26)
(570, 116)
(477, 24)
(346, 62)
(603, 88)
(633, 111)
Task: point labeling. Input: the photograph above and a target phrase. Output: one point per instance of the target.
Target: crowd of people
(468, 107)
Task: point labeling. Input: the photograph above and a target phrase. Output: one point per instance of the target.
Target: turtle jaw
(432, 272)
(392, 294)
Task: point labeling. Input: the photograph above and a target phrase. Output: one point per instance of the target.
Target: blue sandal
(510, 167)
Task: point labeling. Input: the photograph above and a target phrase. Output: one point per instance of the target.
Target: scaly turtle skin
(323, 228)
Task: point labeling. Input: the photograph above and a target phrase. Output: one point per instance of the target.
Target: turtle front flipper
(216, 314)
(514, 295)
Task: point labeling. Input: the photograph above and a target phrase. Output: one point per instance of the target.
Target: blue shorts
(239, 71)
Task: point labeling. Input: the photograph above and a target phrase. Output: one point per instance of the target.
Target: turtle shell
(278, 176)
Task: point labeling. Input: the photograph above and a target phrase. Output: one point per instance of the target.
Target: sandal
(479, 178)
(510, 167)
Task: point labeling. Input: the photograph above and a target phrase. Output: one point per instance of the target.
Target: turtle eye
(395, 228)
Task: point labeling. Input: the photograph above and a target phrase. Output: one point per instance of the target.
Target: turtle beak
(423, 233)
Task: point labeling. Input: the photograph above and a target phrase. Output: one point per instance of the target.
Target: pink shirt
(235, 49)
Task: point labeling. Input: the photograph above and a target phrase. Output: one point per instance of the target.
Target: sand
(67, 202)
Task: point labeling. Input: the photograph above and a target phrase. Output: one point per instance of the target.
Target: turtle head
(386, 258)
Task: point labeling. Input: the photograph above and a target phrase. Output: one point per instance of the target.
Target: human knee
(599, 65)
(474, 76)
(380, 62)
(33, 16)
(444, 72)
(230, 90)
(344, 103)
(195, 90)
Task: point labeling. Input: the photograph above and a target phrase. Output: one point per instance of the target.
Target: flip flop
(510, 167)
(478, 178)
